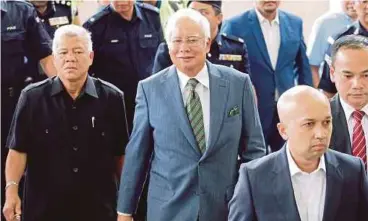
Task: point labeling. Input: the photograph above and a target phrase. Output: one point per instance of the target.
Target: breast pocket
(114, 49)
(148, 44)
(102, 136)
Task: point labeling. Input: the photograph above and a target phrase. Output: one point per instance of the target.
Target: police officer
(52, 14)
(22, 35)
(125, 38)
(361, 28)
(225, 49)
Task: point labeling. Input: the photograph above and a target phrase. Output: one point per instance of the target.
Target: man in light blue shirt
(329, 24)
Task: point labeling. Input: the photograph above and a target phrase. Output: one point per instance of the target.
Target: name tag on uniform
(148, 36)
(59, 21)
(230, 57)
(11, 28)
(114, 41)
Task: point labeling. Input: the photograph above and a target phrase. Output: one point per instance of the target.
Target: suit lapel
(333, 187)
(258, 36)
(219, 90)
(340, 135)
(283, 188)
(173, 94)
(285, 34)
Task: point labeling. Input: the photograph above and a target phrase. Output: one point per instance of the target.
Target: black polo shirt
(70, 146)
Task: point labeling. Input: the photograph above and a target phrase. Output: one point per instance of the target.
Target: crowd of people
(136, 114)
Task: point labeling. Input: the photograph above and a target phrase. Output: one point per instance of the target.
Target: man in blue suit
(309, 181)
(277, 56)
(192, 122)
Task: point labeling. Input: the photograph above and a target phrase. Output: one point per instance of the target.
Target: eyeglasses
(190, 41)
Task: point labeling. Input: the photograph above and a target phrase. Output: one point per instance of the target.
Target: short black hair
(355, 42)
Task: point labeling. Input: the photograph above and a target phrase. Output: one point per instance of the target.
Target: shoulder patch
(37, 84)
(95, 18)
(148, 6)
(232, 37)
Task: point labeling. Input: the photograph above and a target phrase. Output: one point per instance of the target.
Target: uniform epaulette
(63, 3)
(108, 84)
(24, 2)
(232, 37)
(97, 16)
(37, 84)
(148, 6)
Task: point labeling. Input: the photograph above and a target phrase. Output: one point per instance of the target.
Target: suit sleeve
(241, 206)
(252, 135)
(137, 156)
(363, 207)
(162, 58)
(302, 63)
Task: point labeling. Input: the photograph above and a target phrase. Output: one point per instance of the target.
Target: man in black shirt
(70, 133)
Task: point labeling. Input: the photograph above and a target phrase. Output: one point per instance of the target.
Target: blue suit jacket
(183, 183)
(254, 200)
(292, 62)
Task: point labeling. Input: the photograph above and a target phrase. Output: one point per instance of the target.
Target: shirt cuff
(124, 214)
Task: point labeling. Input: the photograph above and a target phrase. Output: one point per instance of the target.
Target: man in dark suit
(277, 56)
(349, 72)
(308, 181)
(192, 122)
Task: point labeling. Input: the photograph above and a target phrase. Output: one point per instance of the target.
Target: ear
(219, 18)
(332, 74)
(282, 130)
(91, 56)
(208, 45)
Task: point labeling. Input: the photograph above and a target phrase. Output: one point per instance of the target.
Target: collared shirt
(348, 110)
(125, 50)
(309, 189)
(71, 147)
(329, 24)
(271, 35)
(22, 34)
(203, 90)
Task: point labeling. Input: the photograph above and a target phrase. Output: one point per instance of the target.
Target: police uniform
(57, 14)
(71, 147)
(226, 50)
(326, 84)
(124, 50)
(22, 35)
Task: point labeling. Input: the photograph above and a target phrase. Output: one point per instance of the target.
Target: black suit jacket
(340, 139)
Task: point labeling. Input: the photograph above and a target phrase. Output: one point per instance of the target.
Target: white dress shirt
(271, 34)
(309, 189)
(348, 110)
(203, 91)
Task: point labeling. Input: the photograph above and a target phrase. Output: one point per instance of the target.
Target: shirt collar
(262, 19)
(88, 88)
(3, 6)
(202, 78)
(294, 169)
(348, 110)
(362, 30)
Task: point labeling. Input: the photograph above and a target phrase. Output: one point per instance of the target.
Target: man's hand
(12, 207)
(125, 218)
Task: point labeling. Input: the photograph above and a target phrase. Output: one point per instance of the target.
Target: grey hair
(355, 42)
(71, 31)
(192, 15)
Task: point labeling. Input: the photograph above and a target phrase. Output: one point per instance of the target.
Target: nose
(183, 47)
(320, 132)
(356, 82)
(70, 57)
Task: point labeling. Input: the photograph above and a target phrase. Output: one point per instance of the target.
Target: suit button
(75, 127)
(75, 170)
(75, 148)
(74, 107)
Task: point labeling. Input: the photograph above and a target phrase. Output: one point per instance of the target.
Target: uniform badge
(11, 28)
(230, 57)
(148, 36)
(59, 21)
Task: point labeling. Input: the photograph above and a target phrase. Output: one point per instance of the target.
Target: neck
(214, 34)
(128, 15)
(305, 165)
(270, 16)
(364, 25)
(41, 9)
(74, 88)
(152, 2)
